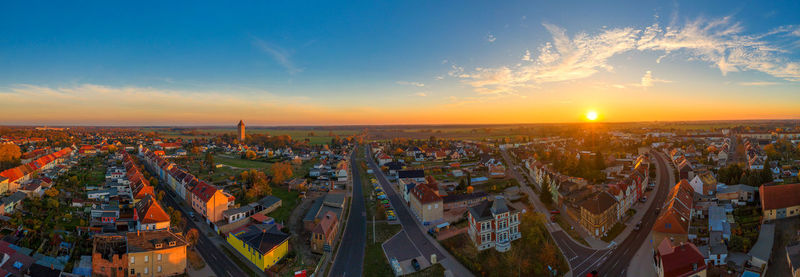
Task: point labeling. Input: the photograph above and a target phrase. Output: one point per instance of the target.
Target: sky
(277, 63)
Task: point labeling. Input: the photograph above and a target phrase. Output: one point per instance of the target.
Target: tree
(9, 155)
(192, 236)
(545, 196)
(280, 172)
(160, 195)
(209, 161)
(153, 181)
(250, 155)
(112, 148)
(52, 192)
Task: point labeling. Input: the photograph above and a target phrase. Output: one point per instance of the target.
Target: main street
(612, 261)
(218, 261)
(424, 243)
(349, 260)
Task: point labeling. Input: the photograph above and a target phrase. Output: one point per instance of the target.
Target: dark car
(415, 264)
(638, 226)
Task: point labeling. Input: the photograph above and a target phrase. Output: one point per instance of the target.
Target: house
(685, 170)
(413, 151)
(156, 253)
(209, 201)
(674, 220)
(394, 167)
(704, 183)
(493, 224)
(417, 175)
(3, 185)
(779, 201)
(14, 262)
(468, 200)
(109, 255)
(297, 184)
(598, 214)
(341, 171)
(625, 195)
(426, 204)
(149, 214)
(679, 260)
(12, 202)
(261, 244)
(383, 159)
(739, 194)
(332, 201)
(793, 256)
(323, 234)
(762, 250)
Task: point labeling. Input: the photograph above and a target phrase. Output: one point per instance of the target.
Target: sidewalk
(642, 262)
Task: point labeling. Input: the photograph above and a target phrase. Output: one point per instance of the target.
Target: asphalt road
(620, 256)
(349, 260)
(408, 220)
(613, 261)
(215, 258)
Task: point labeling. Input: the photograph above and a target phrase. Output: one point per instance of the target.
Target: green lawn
(375, 261)
(289, 201)
(241, 163)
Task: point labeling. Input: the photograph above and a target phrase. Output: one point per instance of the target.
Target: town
(533, 200)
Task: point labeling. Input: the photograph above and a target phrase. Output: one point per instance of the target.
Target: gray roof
(487, 209)
(499, 206)
(314, 210)
(242, 209)
(735, 188)
(793, 251)
(16, 197)
(334, 199)
(716, 218)
(268, 201)
(763, 246)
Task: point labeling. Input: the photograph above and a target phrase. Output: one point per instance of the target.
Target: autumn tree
(9, 155)
(281, 172)
(192, 236)
(209, 161)
(250, 155)
(52, 192)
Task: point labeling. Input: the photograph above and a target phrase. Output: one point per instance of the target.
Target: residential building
(793, 256)
(704, 183)
(333, 201)
(674, 220)
(779, 201)
(681, 260)
(149, 214)
(493, 224)
(156, 253)
(598, 214)
(738, 194)
(14, 262)
(323, 234)
(209, 201)
(109, 255)
(762, 250)
(426, 204)
(261, 244)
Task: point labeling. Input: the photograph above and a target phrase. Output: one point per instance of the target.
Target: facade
(426, 204)
(209, 201)
(109, 256)
(779, 201)
(739, 194)
(704, 183)
(263, 244)
(156, 253)
(493, 224)
(241, 131)
(323, 234)
(793, 256)
(599, 214)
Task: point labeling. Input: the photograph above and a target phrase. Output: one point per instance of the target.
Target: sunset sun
(591, 115)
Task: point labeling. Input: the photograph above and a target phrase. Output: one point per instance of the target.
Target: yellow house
(262, 244)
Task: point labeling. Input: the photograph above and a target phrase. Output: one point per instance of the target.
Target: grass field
(289, 202)
(241, 163)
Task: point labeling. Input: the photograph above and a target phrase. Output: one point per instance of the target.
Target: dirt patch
(196, 262)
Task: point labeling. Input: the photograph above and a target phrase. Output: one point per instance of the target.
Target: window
(159, 268)
(133, 260)
(146, 258)
(159, 258)
(145, 270)
(429, 207)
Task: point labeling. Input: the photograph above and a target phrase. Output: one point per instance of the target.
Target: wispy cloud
(527, 56)
(490, 38)
(280, 55)
(648, 80)
(421, 94)
(407, 83)
(720, 42)
(751, 84)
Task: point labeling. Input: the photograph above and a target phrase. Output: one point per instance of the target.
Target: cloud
(439, 77)
(490, 38)
(648, 80)
(719, 42)
(406, 83)
(421, 94)
(527, 56)
(750, 84)
(280, 55)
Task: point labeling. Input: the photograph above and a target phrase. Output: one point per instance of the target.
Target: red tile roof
(425, 194)
(779, 196)
(682, 260)
(204, 191)
(149, 211)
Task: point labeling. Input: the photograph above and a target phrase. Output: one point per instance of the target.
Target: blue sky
(345, 61)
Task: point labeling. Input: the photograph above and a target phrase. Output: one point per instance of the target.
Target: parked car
(644, 199)
(415, 264)
(638, 226)
(391, 217)
(555, 212)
